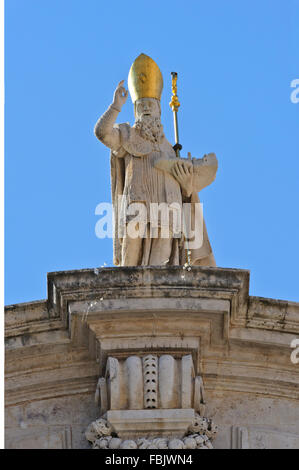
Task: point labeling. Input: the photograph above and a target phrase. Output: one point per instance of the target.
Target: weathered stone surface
(156, 422)
(243, 416)
(240, 346)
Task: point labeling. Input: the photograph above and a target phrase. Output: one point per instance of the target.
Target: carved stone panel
(150, 382)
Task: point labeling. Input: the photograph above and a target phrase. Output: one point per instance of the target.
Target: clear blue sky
(235, 59)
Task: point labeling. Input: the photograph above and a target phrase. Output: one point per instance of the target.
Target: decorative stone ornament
(101, 435)
(150, 382)
(151, 401)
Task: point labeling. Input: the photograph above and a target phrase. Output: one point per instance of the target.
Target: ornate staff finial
(175, 104)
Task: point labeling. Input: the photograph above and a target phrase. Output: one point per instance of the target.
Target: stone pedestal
(212, 350)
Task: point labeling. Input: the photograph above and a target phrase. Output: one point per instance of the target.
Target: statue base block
(159, 422)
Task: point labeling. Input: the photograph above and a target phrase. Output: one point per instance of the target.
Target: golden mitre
(145, 79)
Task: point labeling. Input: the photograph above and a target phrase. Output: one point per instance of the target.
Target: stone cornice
(139, 282)
(272, 314)
(88, 284)
(237, 342)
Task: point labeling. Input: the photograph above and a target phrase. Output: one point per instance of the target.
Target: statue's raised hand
(120, 96)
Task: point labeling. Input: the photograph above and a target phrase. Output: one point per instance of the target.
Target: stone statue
(146, 170)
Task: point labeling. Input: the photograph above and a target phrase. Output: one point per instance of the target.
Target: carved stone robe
(133, 175)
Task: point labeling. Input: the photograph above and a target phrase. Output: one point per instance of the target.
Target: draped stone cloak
(133, 175)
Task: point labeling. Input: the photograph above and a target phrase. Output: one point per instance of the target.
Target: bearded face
(148, 119)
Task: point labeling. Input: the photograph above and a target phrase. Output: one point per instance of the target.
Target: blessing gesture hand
(120, 96)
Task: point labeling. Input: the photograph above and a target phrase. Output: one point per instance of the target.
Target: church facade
(152, 357)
